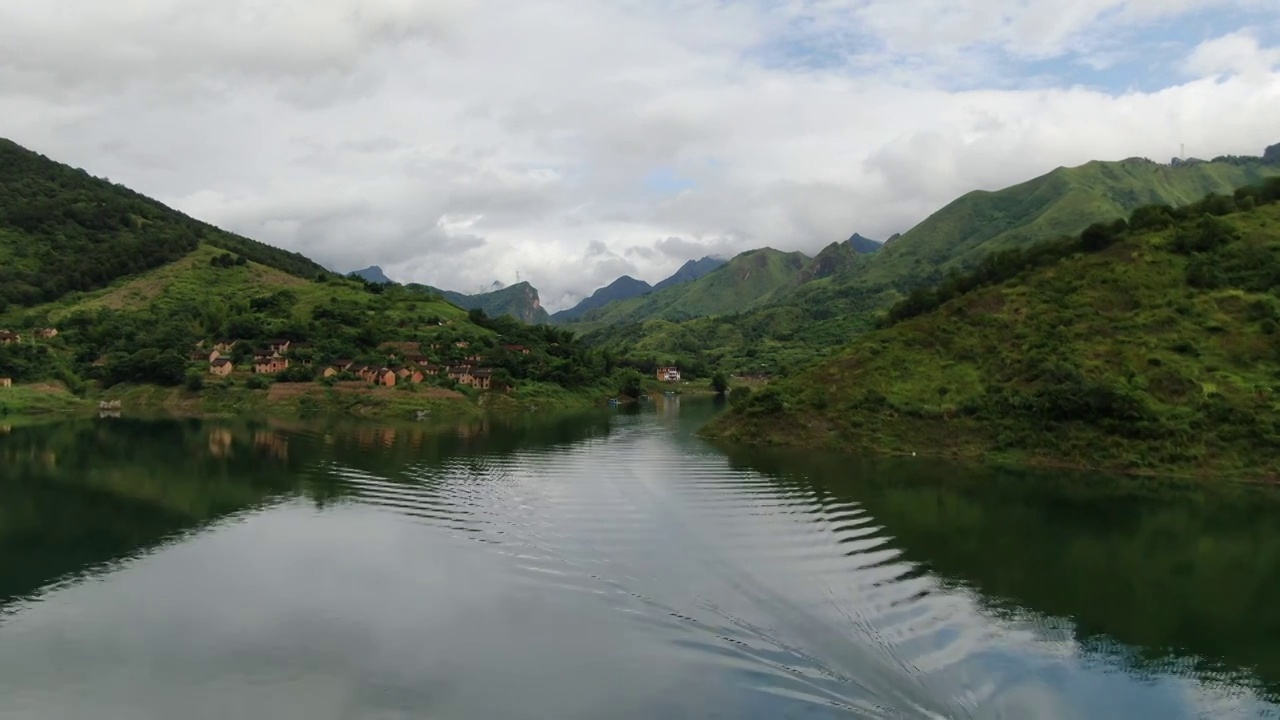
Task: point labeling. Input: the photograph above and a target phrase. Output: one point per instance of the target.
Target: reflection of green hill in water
(1185, 577)
(77, 496)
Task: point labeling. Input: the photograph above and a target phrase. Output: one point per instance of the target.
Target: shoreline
(47, 401)
(968, 447)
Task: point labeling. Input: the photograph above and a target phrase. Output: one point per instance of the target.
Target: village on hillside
(396, 363)
(405, 363)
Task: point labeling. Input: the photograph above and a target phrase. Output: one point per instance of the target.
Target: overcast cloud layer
(566, 142)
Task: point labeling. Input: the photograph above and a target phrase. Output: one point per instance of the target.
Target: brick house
(7, 338)
(6, 382)
(669, 374)
(221, 367)
(409, 374)
(224, 346)
(46, 333)
(481, 379)
(460, 374)
(269, 364)
(384, 376)
(278, 345)
(517, 349)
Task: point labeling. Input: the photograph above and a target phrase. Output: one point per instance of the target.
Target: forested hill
(1151, 343)
(63, 230)
(841, 294)
(1061, 202)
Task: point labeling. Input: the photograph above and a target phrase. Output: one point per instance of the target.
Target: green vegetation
(142, 332)
(141, 294)
(519, 301)
(841, 294)
(62, 230)
(1147, 345)
(41, 399)
(744, 281)
(720, 382)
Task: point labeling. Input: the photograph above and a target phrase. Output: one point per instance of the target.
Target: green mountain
(863, 245)
(62, 231)
(164, 282)
(742, 282)
(690, 271)
(840, 294)
(519, 301)
(624, 288)
(1061, 202)
(1152, 345)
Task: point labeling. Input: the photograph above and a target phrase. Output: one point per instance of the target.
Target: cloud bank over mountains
(455, 142)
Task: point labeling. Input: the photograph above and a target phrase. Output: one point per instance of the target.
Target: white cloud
(459, 142)
(1238, 53)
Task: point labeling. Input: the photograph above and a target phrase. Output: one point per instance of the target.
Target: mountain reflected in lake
(609, 565)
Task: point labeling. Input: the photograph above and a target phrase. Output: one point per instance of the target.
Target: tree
(720, 382)
(631, 384)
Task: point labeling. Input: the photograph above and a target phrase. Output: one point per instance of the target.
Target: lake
(609, 565)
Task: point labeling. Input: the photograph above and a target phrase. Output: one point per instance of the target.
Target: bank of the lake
(1066, 446)
(352, 400)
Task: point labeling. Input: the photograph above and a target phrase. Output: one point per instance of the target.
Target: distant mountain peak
(690, 271)
(374, 274)
(624, 288)
(519, 301)
(863, 245)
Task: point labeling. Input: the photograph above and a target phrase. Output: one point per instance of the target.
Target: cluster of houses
(415, 368)
(12, 338)
(417, 371)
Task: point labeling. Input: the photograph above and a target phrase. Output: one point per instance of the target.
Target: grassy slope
(193, 279)
(1062, 202)
(802, 322)
(1200, 364)
(55, 218)
(38, 399)
(742, 282)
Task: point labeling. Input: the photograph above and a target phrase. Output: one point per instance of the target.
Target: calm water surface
(609, 566)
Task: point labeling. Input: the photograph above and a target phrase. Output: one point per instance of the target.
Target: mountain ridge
(1147, 344)
(800, 322)
(520, 301)
(690, 271)
(623, 288)
(744, 280)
